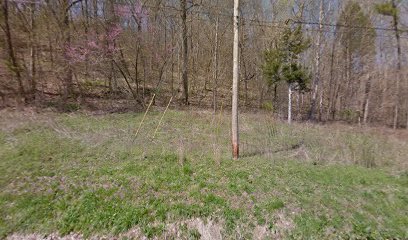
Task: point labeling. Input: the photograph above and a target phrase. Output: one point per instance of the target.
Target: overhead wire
(263, 23)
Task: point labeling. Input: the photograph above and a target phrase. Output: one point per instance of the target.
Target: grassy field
(84, 174)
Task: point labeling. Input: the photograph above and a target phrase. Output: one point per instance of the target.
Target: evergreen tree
(282, 63)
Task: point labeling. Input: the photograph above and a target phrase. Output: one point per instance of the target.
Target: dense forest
(332, 59)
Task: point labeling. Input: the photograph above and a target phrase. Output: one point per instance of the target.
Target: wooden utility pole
(235, 81)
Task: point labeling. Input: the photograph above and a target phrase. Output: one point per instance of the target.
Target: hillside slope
(81, 175)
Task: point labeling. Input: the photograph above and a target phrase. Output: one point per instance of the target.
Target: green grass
(87, 174)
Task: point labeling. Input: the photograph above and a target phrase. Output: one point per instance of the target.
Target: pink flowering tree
(103, 49)
(94, 47)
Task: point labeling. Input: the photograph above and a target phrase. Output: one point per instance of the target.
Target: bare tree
(184, 40)
(12, 57)
(316, 81)
(137, 48)
(399, 73)
(215, 71)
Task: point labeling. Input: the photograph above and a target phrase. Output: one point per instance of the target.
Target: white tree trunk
(290, 103)
(321, 104)
(234, 125)
(317, 62)
(367, 100)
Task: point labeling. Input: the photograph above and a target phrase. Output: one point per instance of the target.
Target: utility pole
(235, 81)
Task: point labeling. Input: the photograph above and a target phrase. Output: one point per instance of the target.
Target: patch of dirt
(134, 233)
(282, 224)
(261, 233)
(208, 230)
(45, 237)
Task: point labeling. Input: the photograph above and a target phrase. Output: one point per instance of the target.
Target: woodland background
(115, 54)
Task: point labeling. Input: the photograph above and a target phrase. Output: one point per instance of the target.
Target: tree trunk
(290, 103)
(366, 100)
(398, 83)
(12, 57)
(331, 107)
(346, 97)
(95, 9)
(126, 79)
(317, 78)
(183, 5)
(68, 82)
(321, 104)
(215, 65)
(172, 63)
(298, 108)
(275, 94)
(137, 68)
(32, 53)
(235, 128)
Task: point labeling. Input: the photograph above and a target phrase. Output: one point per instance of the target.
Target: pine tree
(282, 63)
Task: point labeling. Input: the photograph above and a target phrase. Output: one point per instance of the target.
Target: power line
(283, 22)
(349, 26)
(315, 30)
(284, 25)
(261, 23)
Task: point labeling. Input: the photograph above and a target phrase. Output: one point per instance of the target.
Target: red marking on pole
(235, 150)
